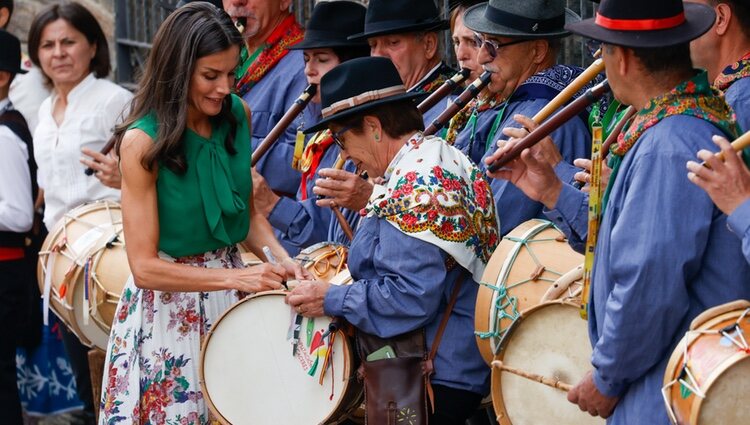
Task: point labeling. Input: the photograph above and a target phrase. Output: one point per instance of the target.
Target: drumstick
(550, 382)
(345, 227)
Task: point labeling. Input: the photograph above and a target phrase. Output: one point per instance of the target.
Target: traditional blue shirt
(472, 139)
(739, 223)
(269, 99)
(397, 290)
(664, 255)
(572, 139)
(738, 97)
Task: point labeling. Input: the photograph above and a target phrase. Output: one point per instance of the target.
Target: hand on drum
(294, 270)
(307, 298)
(263, 277)
(105, 167)
(728, 182)
(263, 197)
(343, 189)
(533, 171)
(589, 399)
(585, 175)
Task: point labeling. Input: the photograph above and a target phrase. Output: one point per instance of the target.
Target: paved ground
(72, 418)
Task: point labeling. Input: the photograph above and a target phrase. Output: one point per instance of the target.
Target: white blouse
(95, 106)
(16, 205)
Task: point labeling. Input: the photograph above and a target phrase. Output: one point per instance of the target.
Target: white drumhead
(726, 400)
(552, 341)
(91, 331)
(250, 375)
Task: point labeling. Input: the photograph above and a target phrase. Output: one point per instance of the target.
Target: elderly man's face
(511, 65)
(409, 52)
(261, 15)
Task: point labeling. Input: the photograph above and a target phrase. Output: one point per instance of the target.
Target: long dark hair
(191, 32)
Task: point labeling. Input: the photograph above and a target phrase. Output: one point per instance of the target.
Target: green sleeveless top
(207, 207)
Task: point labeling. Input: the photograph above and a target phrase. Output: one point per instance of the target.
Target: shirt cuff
(570, 206)
(333, 302)
(566, 172)
(608, 388)
(283, 213)
(739, 220)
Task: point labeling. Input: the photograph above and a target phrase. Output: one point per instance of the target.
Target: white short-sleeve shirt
(94, 107)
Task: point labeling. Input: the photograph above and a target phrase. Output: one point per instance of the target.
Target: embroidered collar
(434, 79)
(254, 66)
(734, 72)
(694, 97)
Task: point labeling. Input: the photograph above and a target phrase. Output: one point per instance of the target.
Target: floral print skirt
(151, 370)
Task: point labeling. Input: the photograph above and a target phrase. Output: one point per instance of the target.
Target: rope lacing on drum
(502, 303)
(733, 333)
(321, 264)
(503, 300)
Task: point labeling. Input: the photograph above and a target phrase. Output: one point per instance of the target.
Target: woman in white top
(68, 45)
(78, 118)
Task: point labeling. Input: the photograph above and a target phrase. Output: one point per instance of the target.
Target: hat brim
(698, 20)
(320, 125)
(323, 44)
(474, 20)
(436, 25)
(17, 70)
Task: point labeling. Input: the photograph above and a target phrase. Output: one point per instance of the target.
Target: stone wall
(25, 10)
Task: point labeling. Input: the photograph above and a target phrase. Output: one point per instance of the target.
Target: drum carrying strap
(439, 335)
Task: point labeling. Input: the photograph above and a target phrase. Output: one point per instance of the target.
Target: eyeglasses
(493, 46)
(337, 137)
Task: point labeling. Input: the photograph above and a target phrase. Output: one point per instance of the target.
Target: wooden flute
(284, 122)
(469, 93)
(561, 117)
(443, 91)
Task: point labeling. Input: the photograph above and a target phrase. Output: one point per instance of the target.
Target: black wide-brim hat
(331, 24)
(529, 19)
(386, 17)
(646, 23)
(10, 53)
(359, 85)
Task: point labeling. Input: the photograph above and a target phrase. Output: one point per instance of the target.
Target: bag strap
(446, 315)
(439, 336)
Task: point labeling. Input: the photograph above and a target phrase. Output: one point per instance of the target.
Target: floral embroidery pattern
(434, 193)
(151, 375)
(734, 72)
(694, 97)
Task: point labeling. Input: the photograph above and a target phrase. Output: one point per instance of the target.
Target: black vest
(17, 124)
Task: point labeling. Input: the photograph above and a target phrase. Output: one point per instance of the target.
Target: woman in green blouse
(186, 200)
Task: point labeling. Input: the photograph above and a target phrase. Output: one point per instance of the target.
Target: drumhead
(525, 265)
(249, 375)
(726, 400)
(549, 340)
(92, 334)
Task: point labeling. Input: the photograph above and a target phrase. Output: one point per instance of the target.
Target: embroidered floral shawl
(434, 193)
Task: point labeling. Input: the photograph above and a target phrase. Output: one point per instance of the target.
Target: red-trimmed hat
(646, 23)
